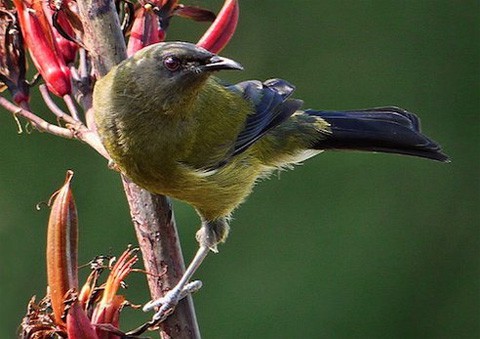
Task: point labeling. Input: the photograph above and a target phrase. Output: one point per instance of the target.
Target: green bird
(174, 129)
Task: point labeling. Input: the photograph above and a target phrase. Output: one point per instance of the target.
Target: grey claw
(171, 299)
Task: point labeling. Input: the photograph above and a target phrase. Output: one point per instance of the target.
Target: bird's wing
(272, 106)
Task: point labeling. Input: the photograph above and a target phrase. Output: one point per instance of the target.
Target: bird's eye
(172, 63)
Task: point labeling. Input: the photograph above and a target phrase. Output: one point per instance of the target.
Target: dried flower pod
(194, 13)
(88, 288)
(108, 309)
(38, 37)
(62, 247)
(12, 55)
(222, 29)
(38, 323)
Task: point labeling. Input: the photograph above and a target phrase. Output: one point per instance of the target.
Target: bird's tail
(383, 129)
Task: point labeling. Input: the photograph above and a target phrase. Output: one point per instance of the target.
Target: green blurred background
(349, 245)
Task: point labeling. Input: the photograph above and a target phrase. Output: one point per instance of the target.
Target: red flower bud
(145, 30)
(43, 49)
(222, 29)
(78, 324)
(152, 21)
(57, 16)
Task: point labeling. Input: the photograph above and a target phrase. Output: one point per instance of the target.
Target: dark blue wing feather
(271, 105)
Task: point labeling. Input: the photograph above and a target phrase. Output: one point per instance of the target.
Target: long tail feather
(383, 129)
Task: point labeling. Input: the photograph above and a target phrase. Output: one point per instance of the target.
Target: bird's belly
(215, 195)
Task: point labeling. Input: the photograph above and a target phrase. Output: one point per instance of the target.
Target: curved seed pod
(62, 247)
(222, 29)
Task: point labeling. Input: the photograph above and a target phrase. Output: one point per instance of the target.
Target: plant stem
(152, 215)
(157, 235)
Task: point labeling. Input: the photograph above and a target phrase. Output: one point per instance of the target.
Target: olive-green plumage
(176, 130)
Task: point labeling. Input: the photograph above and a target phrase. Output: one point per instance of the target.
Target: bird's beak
(217, 63)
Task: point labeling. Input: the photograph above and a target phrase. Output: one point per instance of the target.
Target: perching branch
(152, 214)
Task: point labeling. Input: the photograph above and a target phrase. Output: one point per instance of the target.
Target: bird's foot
(166, 305)
(169, 301)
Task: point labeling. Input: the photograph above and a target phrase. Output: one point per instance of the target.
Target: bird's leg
(209, 235)
(168, 302)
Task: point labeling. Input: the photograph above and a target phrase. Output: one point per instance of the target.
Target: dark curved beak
(217, 63)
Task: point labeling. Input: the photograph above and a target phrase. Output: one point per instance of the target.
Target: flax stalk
(152, 215)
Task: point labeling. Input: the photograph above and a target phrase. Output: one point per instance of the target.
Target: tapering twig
(36, 121)
(75, 130)
(71, 107)
(52, 105)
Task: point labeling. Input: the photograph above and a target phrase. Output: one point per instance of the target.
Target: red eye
(172, 63)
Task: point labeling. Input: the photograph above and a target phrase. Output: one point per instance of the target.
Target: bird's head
(171, 70)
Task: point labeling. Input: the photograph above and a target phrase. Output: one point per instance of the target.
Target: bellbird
(176, 130)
